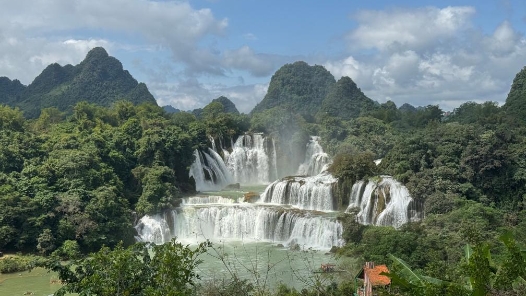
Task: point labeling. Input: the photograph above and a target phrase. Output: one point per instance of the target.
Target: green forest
(73, 181)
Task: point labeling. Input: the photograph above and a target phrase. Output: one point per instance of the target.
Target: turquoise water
(267, 265)
(39, 282)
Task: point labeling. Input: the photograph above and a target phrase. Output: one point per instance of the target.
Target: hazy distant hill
(228, 106)
(98, 79)
(170, 109)
(298, 87)
(10, 90)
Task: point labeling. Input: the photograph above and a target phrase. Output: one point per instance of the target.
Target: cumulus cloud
(191, 94)
(431, 56)
(246, 59)
(408, 28)
(31, 27)
(24, 58)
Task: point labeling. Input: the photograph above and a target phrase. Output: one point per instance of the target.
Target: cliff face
(98, 79)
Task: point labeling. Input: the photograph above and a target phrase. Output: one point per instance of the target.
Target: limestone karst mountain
(98, 79)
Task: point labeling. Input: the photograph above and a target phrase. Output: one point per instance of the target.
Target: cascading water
(252, 160)
(316, 160)
(249, 161)
(242, 222)
(309, 193)
(209, 171)
(386, 202)
(212, 199)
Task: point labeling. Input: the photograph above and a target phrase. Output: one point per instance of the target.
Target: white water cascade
(252, 160)
(209, 171)
(292, 211)
(385, 202)
(308, 193)
(245, 222)
(316, 160)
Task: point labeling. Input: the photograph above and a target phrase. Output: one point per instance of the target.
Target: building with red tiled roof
(372, 278)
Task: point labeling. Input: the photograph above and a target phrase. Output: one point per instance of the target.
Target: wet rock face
(250, 197)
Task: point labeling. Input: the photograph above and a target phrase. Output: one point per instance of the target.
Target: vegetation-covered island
(104, 187)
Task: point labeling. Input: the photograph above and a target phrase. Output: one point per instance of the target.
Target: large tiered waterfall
(247, 222)
(383, 202)
(289, 212)
(295, 210)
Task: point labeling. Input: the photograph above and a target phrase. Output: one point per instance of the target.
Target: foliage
(515, 102)
(140, 269)
(482, 276)
(17, 263)
(68, 251)
(353, 166)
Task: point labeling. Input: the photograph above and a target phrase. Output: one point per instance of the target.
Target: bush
(68, 251)
(18, 263)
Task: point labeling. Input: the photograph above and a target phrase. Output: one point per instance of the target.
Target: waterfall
(386, 202)
(309, 193)
(242, 222)
(153, 229)
(249, 160)
(315, 159)
(203, 200)
(213, 142)
(209, 171)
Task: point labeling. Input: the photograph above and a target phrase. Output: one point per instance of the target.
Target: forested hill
(98, 79)
(516, 101)
(298, 87)
(221, 104)
(345, 100)
(310, 90)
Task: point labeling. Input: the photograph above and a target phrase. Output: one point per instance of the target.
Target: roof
(374, 275)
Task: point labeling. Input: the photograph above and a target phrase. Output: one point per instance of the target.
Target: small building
(372, 279)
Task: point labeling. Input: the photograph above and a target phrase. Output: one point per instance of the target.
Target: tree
(46, 242)
(140, 269)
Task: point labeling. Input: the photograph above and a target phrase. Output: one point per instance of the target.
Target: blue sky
(190, 52)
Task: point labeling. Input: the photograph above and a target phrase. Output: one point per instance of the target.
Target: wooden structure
(372, 279)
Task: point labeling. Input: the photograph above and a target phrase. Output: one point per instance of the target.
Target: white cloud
(190, 94)
(408, 28)
(431, 56)
(250, 36)
(246, 59)
(35, 32)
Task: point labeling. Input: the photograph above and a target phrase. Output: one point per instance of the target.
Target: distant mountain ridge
(310, 90)
(228, 106)
(98, 79)
(299, 87)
